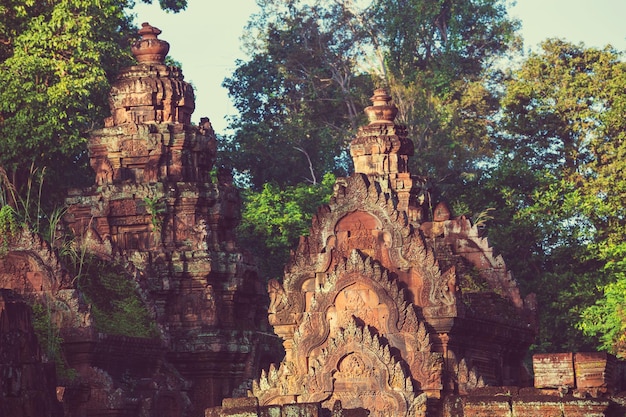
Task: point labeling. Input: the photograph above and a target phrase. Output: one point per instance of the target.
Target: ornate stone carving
(149, 49)
(155, 209)
(467, 379)
(356, 368)
(375, 276)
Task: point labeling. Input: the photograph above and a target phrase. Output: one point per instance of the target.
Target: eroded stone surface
(155, 208)
(554, 370)
(585, 374)
(384, 309)
(27, 381)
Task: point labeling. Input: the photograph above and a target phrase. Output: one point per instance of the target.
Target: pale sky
(205, 38)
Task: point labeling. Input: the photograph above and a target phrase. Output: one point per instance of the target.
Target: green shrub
(50, 340)
(116, 306)
(9, 227)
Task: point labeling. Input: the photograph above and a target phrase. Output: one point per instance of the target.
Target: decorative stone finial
(382, 110)
(149, 49)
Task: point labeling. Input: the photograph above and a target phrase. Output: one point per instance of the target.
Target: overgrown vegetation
(155, 207)
(606, 318)
(49, 339)
(112, 293)
(57, 59)
(116, 305)
(274, 218)
(8, 227)
(27, 206)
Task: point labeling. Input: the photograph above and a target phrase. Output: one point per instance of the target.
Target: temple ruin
(164, 219)
(385, 310)
(389, 307)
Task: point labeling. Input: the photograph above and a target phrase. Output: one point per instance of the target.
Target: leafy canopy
(556, 180)
(313, 65)
(274, 218)
(299, 96)
(57, 59)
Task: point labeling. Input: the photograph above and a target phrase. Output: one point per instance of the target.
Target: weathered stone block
(547, 407)
(212, 412)
(301, 410)
(553, 370)
(240, 412)
(595, 370)
(270, 411)
(243, 402)
(487, 407)
(585, 408)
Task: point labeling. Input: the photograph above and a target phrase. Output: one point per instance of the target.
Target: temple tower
(157, 207)
(385, 306)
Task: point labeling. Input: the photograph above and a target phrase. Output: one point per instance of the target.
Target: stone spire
(155, 206)
(382, 148)
(149, 49)
(150, 92)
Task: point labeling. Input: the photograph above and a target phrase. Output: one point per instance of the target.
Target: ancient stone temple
(156, 209)
(388, 307)
(27, 383)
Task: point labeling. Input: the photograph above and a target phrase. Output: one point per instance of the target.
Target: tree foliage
(448, 39)
(297, 96)
(57, 58)
(313, 65)
(556, 196)
(606, 318)
(274, 218)
(437, 58)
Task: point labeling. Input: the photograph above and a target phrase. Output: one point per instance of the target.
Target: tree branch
(313, 178)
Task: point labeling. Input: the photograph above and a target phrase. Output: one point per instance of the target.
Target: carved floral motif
(374, 276)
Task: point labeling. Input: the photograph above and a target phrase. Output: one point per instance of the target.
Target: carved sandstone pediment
(357, 368)
(372, 310)
(357, 293)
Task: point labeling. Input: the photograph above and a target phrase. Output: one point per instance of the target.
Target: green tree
(437, 60)
(560, 120)
(296, 96)
(313, 67)
(605, 192)
(57, 59)
(452, 39)
(274, 218)
(556, 182)
(606, 319)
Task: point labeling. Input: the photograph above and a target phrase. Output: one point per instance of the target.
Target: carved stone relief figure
(278, 298)
(200, 233)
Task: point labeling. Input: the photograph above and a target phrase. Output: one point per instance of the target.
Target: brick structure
(386, 308)
(27, 381)
(156, 208)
